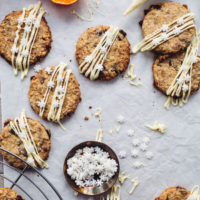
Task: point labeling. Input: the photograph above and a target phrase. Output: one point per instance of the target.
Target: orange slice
(64, 2)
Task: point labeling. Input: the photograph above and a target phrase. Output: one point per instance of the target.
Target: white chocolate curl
(21, 128)
(151, 41)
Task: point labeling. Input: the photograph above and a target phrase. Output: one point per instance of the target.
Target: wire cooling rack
(27, 186)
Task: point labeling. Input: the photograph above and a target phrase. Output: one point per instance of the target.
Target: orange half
(64, 2)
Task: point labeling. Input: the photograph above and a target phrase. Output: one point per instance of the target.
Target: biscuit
(9, 194)
(165, 69)
(174, 193)
(165, 13)
(11, 142)
(37, 90)
(8, 29)
(118, 58)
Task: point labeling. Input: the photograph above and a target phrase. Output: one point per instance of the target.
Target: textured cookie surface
(162, 14)
(165, 69)
(38, 88)
(11, 142)
(9, 194)
(174, 193)
(8, 30)
(118, 57)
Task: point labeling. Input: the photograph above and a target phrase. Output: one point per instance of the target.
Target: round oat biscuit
(38, 88)
(9, 194)
(8, 29)
(165, 13)
(165, 69)
(118, 57)
(11, 142)
(174, 193)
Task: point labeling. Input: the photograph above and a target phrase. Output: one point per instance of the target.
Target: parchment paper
(176, 153)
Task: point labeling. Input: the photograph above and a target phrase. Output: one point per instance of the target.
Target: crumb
(86, 118)
(70, 60)
(90, 107)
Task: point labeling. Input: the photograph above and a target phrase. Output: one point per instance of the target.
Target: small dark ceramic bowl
(94, 190)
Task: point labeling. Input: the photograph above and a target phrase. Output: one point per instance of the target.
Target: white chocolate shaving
(135, 4)
(122, 178)
(114, 194)
(99, 136)
(21, 50)
(59, 95)
(181, 85)
(93, 64)
(158, 37)
(131, 76)
(21, 128)
(195, 193)
(135, 183)
(157, 127)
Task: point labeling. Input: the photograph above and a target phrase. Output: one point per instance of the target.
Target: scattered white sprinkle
(48, 70)
(14, 49)
(156, 41)
(61, 89)
(143, 147)
(149, 155)
(20, 20)
(41, 104)
(109, 41)
(28, 20)
(138, 164)
(56, 104)
(180, 81)
(194, 59)
(164, 28)
(177, 31)
(27, 29)
(25, 53)
(136, 142)
(60, 96)
(103, 49)
(187, 78)
(146, 140)
(180, 21)
(131, 132)
(122, 154)
(23, 41)
(185, 68)
(164, 36)
(134, 153)
(99, 67)
(120, 119)
(185, 88)
(88, 59)
(37, 68)
(117, 129)
(50, 84)
(37, 24)
(60, 78)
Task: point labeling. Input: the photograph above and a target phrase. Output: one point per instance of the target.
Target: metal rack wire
(22, 173)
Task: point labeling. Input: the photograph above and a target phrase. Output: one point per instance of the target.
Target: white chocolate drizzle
(180, 88)
(195, 193)
(165, 33)
(22, 130)
(114, 194)
(99, 136)
(135, 183)
(157, 127)
(93, 64)
(21, 49)
(135, 4)
(59, 78)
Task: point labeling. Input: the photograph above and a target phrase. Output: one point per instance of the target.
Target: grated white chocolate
(135, 183)
(181, 85)
(22, 130)
(21, 50)
(99, 136)
(157, 127)
(115, 194)
(158, 37)
(122, 178)
(93, 64)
